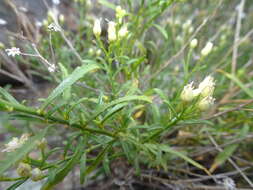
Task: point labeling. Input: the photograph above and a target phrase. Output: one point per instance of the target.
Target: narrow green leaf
(225, 154)
(104, 107)
(8, 96)
(113, 111)
(13, 157)
(83, 167)
(17, 184)
(229, 150)
(167, 149)
(247, 90)
(65, 74)
(98, 159)
(78, 73)
(58, 175)
(162, 30)
(107, 4)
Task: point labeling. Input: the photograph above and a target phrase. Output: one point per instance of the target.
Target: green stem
(31, 111)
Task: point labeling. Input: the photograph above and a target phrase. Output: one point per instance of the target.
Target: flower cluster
(25, 170)
(113, 32)
(16, 143)
(204, 92)
(13, 51)
(54, 27)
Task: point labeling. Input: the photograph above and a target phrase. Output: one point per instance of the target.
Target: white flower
(13, 51)
(188, 93)
(24, 138)
(23, 9)
(194, 43)
(123, 32)
(229, 184)
(38, 23)
(112, 31)
(52, 68)
(97, 27)
(207, 49)
(206, 87)
(56, 2)
(3, 22)
(206, 103)
(54, 27)
(15, 143)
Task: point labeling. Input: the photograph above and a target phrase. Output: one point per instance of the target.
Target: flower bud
(24, 170)
(187, 24)
(206, 87)
(207, 49)
(97, 28)
(194, 43)
(191, 29)
(112, 31)
(42, 144)
(123, 32)
(98, 52)
(61, 18)
(188, 93)
(91, 52)
(120, 13)
(206, 103)
(36, 174)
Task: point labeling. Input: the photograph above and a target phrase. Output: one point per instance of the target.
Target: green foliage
(131, 98)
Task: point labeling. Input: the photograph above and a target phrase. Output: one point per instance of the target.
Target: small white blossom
(56, 2)
(97, 27)
(54, 27)
(52, 68)
(39, 23)
(123, 32)
(206, 103)
(112, 31)
(188, 93)
(194, 43)
(23, 9)
(229, 184)
(207, 49)
(3, 22)
(13, 51)
(15, 143)
(206, 87)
